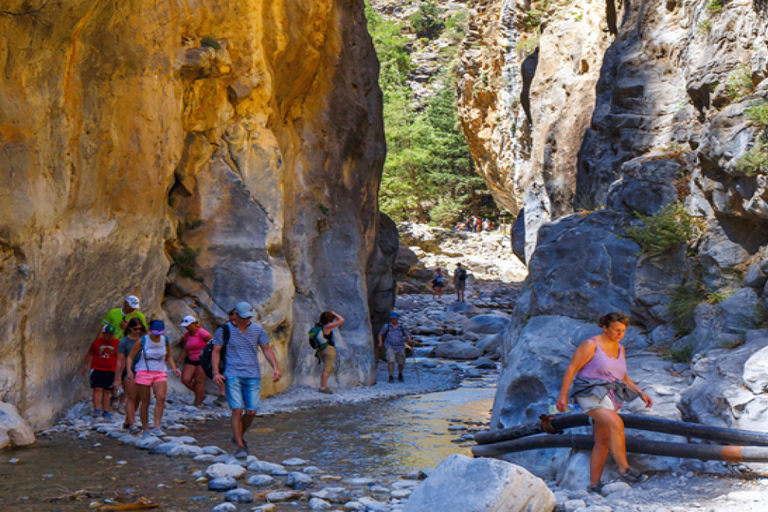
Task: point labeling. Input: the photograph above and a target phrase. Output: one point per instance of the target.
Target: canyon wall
(192, 153)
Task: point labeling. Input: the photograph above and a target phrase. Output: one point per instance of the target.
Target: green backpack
(315, 340)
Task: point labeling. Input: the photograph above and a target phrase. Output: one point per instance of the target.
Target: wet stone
(222, 484)
(224, 507)
(221, 458)
(318, 504)
(264, 467)
(379, 489)
(239, 496)
(261, 480)
(185, 450)
(354, 505)
(280, 496)
(204, 458)
(297, 480)
(181, 439)
(278, 472)
(213, 450)
(294, 461)
(224, 470)
(164, 447)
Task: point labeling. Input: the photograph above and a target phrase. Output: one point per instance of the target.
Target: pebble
(311, 470)
(201, 480)
(615, 487)
(354, 505)
(278, 472)
(572, 505)
(379, 489)
(280, 496)
(163, 486)
(164, 447)
(295, 461)
(222, 484)
(108, 457)
(264, 467)
(96, 445)
(185, 450)
(121, 462)
(401, 493)
(181, 439)
(360, 481)
(224, 507)
(297, 480)
(204, 458)
(318, 504)
(177, 427)
(239, 496)
(261, 480)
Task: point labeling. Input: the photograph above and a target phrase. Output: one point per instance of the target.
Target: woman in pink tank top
(602, 358)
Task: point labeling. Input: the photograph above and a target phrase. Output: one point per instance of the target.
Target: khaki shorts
(395, 356)
(328, 356)
(461, 285)
(591, 402)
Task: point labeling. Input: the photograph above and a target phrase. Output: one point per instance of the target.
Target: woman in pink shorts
(151, 372)
(195, 339)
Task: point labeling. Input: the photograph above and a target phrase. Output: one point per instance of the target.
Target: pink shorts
(147, 378)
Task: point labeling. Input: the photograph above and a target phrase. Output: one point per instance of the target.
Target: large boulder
(462, 484)
(14, 431)
(457, 350)
(382, 284)
(405, 261)
(487, 324)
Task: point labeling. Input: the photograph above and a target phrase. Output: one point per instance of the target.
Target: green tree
(426, 20)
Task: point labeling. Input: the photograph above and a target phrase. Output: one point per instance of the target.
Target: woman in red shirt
(101, 359)
(194, 341)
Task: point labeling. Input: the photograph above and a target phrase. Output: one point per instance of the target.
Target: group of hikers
(459, 283)
(133, 356)
(474, 225)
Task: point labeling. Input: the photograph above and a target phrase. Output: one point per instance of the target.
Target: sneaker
(633, 476)
(234, 442)
(145, 434)
(96, 412)
(126, 426)
(106, 415)
(400, 378)
(135, 429)
(220, 401)
(241, 453)
(326, 391)
(595, 488)
(391, 379)
(157, 431)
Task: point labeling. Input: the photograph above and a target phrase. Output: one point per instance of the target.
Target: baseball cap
(133, 301)
(188, 320)
(108, 329)
(394, 315)
(244, 310)
(157, 327)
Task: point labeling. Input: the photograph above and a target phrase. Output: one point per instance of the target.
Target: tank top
(604, 367)
(152, 355)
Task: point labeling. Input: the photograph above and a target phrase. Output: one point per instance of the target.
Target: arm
(168, 358)
(119, 370)
(634, 387)
(339, 320)
(215, 358)
(272, 360)
(381, 340)
(87, 363)
(583, 354)
(134, 351)
(184, 352)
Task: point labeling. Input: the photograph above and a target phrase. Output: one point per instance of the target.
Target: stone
(319, 504)
(14, 430)
(457, 350)
(405, 484)
(491, 344)
(295, 461)
(755, 277)
(614, 488)
(401, 493)
(406, 260)
(480, 485)
(297, 480)
(219, 470)
(573, 505)
(360, 481)
(239, 496)
(165, 447)
(487, 324)
(264, 467)
(222, 484)
(185, 450)
(354, 505)
(261, 480)
(484, 363)
(311, 470)
(278, 496)
(213, 450)
(224, 507)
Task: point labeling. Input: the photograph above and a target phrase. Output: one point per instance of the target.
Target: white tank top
(152, 355)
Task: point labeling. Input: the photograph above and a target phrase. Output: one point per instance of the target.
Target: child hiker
(101, 359)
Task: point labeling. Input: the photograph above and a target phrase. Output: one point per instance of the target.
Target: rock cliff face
(200, 154)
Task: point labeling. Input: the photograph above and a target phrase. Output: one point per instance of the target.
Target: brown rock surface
(241, 139)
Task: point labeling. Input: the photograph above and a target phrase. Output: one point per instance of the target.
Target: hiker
(438, 284)
(134, 331)
(101, 360)
(393, 336)
(152, 374)
(242, 375)
(119, 317)
(600, 368)
(193, 342)
(328, 321)
(460, 282)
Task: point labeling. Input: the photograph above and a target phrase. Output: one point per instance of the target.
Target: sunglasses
(136, 329)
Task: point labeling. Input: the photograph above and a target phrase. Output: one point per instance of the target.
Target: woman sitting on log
(601, 383)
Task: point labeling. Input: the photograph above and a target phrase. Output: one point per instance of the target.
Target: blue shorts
(243, 393)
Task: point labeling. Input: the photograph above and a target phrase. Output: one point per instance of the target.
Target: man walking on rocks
(460, 282)
(119, 317)
(242, 376)
(393, 336)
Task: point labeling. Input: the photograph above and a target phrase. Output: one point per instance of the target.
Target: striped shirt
(242, 358)
(394, 337)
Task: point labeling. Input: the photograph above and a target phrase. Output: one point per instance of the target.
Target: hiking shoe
(220, 401)
(106, 415)
(126, 426)
(145, 434)
(234, 442)
(633, 476)
(241, 452)
(157, 431)
(135, 429)
(326, 391)
(595, 488)
(96, 412)
(400, 378)
(391, 379)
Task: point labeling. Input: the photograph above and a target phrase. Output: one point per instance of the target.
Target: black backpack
(206, 356)
(462, 274)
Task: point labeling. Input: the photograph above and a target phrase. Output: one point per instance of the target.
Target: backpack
(402, 331)
(462, 274)
(315, 341)
(206, 355)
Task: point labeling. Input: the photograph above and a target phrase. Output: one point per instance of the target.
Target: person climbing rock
(328, 321)
(101, 360)
(438, 284)
(152, 374)
(193, 343)
(393, 336)
(133, 332)
(460, 282)
(600, 367)
(242, 376)
(119, 317)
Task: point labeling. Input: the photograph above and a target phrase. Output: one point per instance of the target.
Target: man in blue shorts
(242, 376)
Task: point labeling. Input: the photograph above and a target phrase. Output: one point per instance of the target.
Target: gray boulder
(405, 261)
(491, 345)
(464, 308)
(480, 485)
(487, 324)
(457, 350)
(645, 186)
(14, 431)
(755, 277)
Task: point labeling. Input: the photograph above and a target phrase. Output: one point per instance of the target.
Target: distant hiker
(133, 332)
(101, 360)
(600, 386)
(152, 374)
(393, 336)
(438, 284)
(486, 225)
(119, 317)
(460, 282)
(321, 339)
(242, 374)
(193, 342)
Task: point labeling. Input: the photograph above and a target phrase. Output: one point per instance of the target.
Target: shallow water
(382, 439)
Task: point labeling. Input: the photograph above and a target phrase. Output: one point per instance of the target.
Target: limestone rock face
(237, 144)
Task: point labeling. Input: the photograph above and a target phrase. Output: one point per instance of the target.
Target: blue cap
(394, 315)
(157, 327)
(244, 310)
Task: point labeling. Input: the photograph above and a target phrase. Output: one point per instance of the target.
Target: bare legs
(324, 379)
(131, 400)
(193, 377)
(609, 437)
(240, 424)
(101, 399)
(144, 396)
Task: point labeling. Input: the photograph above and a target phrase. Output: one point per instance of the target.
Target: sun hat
(133, 301)
(244, 310)
(188, 320)
(157, 327)
(394, 315)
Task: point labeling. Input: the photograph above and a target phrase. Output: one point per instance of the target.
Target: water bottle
(571, 409)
